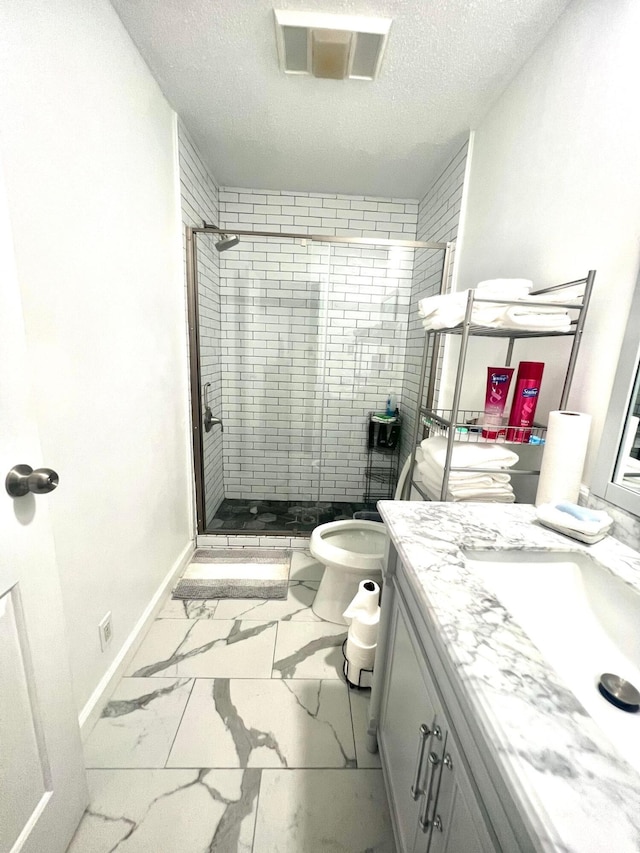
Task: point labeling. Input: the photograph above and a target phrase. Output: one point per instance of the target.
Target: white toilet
(351, 551)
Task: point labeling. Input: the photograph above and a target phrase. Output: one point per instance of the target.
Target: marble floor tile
(138, 724)
(188, 609)
(305, 567)
(206, 648)
(296, 607)
(359, 700)
(265, 723)
(323, 811)
(309, 650)
(169, 811)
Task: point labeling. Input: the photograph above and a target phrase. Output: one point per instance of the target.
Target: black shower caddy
(383, 457)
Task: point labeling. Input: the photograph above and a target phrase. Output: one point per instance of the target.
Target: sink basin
(584, 620)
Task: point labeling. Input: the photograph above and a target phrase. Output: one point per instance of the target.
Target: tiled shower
(301, 339)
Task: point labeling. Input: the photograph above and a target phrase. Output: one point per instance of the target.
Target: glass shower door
(272, 297)
(367, 311)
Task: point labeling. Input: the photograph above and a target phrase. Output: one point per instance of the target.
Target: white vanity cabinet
(433, 803)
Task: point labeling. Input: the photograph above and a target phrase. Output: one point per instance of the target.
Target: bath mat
(235, 573)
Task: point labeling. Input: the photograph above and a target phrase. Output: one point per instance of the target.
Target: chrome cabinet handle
(424, 735)
(436, 822)
(434, 760)
(22, 479)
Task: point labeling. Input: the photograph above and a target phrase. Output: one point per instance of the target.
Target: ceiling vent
(334, 47)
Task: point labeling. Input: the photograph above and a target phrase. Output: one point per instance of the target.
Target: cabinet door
(406, 706)
(456, 823)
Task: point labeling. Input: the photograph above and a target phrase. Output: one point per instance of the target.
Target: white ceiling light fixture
(335, 47)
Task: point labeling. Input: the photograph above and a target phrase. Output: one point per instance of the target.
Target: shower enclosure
(294, 340)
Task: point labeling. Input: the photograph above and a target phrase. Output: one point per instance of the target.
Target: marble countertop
(577, 793)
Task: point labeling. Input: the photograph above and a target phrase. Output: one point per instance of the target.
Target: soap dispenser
(391, 404)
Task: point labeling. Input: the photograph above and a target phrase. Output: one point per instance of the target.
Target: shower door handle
(209, 420)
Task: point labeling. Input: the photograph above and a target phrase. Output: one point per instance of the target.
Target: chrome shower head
(226, 242)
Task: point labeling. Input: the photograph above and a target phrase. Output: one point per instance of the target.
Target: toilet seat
(349, 531)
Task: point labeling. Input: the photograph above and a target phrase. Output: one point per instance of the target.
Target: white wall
(438, 219)
(555, 187)
(89, 148)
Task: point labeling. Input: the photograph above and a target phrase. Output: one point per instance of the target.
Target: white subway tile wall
(199, 195)
(312, 339)
(438, 219)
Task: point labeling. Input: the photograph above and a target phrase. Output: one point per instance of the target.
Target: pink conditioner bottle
(498, 381)
(525, 400)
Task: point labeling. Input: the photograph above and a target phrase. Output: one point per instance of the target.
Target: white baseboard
(96, 702)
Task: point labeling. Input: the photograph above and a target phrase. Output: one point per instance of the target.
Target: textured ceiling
(446, 62)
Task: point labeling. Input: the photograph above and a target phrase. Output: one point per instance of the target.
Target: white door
(42, 781)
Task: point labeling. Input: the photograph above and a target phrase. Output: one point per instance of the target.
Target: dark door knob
(22, 479)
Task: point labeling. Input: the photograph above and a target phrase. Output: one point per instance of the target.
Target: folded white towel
(458, 486)
(565, 294)
(542, 319)
(450, 308)
(469, 455)
(483, 494)
(447, 311)
(429, 469)
(442, 312)
(468, 492)
(498, 495)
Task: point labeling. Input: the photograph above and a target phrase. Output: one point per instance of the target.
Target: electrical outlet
(105, 629)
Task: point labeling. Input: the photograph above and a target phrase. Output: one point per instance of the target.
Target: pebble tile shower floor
(233, 730)
(235, 515)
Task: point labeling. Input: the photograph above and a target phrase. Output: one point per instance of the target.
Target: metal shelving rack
(437, 421)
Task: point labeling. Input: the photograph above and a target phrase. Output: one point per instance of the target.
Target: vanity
(490, 741)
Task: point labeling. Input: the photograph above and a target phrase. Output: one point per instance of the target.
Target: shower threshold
(238, 515)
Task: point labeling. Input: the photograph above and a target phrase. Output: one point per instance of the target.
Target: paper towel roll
(563, 459)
